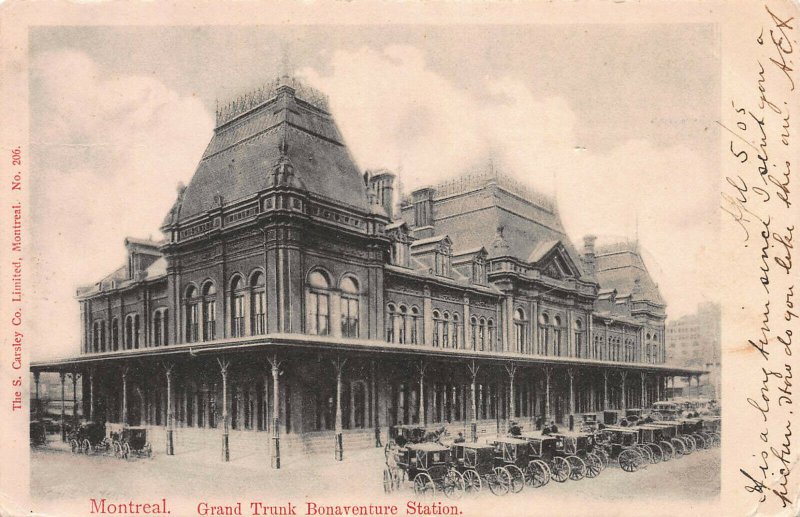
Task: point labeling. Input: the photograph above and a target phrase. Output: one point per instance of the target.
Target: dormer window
(442, 261)
(479, 270)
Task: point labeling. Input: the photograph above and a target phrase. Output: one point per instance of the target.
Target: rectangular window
(210, 323)
(349, 307)
(259, 313)
(192, 324)
(238, 316)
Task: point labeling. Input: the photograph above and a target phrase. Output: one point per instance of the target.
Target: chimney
(423, 206)
(588, 252)
(381, 185)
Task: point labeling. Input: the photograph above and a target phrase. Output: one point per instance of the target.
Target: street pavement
(62, 480)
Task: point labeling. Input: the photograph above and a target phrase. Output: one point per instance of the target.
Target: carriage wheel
(679, 446)
(629, 460)
(535, 475)
(546, 469)
(656, 452)
(603, 455)
(86, 447)
(647, 456)
(388, 481)
(656, 416)
(499, 481)
(453, 484)
(117, 447)
(577, 468)
(594, 465)
(423, 486)
(691, 446)
(559, 469)
(702, 440)
(472, 481)
(126, 450)
(517, 478)
(667, 450)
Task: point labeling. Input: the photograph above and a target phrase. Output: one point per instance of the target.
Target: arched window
(490, 335)
(598, 346)
(543, 346)
(192, 315)
(415, 333)
(136, 331)
(238, 291)
(96, 336)
(647, 348)
(400, 324)
(446, 331)
(115, 334)
(157, 328)
(438, 331)
(132, 331)
(349, 307)
(473, 325)
(317, 304)
(258, 304)
(520, 332)
(209, 311)
(482, 333)
(391, 315)
(656, 348)
(557, 333)
(456, 333)
(128, 332)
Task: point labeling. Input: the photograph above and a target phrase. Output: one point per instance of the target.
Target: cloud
(120, 145)
(396, 112)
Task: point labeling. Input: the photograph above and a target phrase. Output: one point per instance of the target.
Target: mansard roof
(284, 124)
(488, 208)
(620, 266)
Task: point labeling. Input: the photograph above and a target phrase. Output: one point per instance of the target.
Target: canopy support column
(223, 368)
(473, 424)
(170, 432)
(338, 366)
(276, 434)
(63, 408)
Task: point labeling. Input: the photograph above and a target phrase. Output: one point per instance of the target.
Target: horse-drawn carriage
(476, 464)
(401, 435)
(38, 433)
(649, 438)
(579, 451)
(622, 445)
(665, 410)
(544, 452)
(657, 434)
(90, 437)
(428, 466)
(519, 458)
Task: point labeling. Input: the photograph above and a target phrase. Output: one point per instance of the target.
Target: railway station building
(300, 304)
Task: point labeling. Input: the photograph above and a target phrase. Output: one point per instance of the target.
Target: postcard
(411, 258)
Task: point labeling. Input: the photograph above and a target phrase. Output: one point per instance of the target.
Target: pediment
(556, 262)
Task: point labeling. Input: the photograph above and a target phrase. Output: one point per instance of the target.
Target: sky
(615, 121)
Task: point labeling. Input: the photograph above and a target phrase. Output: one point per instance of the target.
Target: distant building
(694, 341)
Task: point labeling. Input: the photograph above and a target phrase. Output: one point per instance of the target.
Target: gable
(557, 263)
